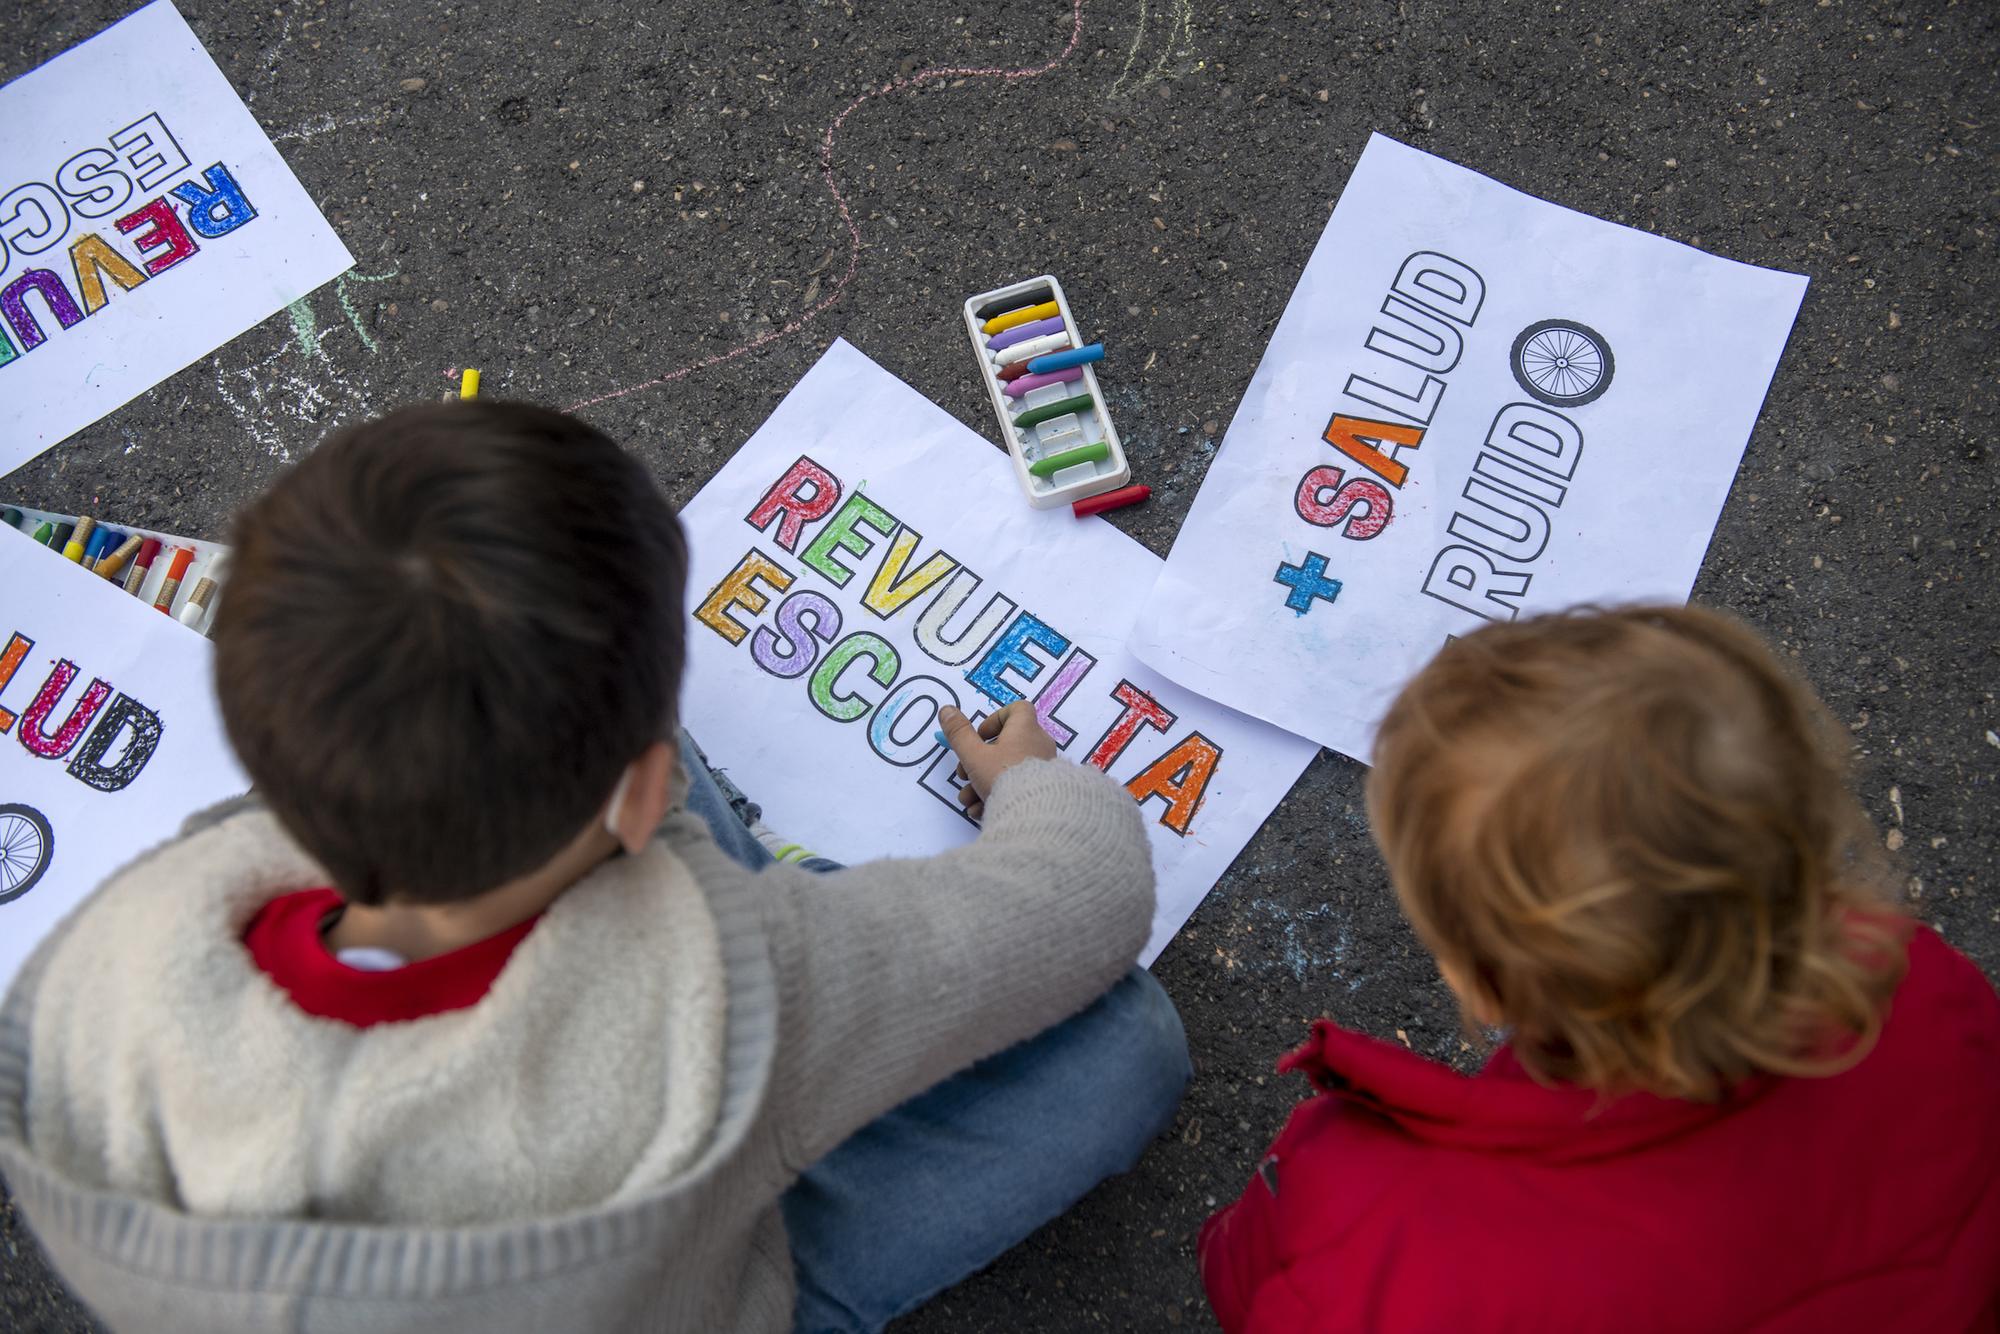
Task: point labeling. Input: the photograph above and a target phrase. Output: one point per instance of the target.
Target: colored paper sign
(1477, 405)
(864, 560)
(145, 220)
(109, 737)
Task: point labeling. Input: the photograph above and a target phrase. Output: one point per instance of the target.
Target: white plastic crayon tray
(204, 555)
(1029, 445)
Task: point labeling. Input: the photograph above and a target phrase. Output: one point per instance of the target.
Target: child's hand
(1013, 734)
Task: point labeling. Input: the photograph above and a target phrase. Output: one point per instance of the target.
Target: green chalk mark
(303, 324)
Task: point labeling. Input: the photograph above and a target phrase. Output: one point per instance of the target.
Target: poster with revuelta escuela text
(865, 560)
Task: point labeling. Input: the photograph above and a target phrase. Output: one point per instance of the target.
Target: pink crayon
(1029, 383)
(1022, 332)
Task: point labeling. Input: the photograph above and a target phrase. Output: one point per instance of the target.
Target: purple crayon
(1022, 332)
(1029, 383)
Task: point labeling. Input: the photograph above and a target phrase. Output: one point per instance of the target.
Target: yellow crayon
(1002, 323)
(79, 539)
(468, 383)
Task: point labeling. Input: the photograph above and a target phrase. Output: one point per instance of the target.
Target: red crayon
(142, 565)
(1111, 500)
(1013, 372)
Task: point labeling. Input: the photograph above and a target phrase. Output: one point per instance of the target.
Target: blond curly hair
(1630, 835)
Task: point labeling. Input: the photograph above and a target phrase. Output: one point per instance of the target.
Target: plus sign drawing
(1308, 581)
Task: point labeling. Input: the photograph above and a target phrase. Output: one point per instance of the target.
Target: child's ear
(652, 785)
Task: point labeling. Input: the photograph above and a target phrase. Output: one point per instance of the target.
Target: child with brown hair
(489, 1014)
(1739, 1090)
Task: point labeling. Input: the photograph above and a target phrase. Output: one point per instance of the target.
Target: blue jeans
(940, 1187)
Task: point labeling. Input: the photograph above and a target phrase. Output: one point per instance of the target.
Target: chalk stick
(1111, 500)
(1076, 356)
(1062, 407)
(1020, 315)
(1028, 384)
(1021, 333)
(1034, 347)
(1069, 458)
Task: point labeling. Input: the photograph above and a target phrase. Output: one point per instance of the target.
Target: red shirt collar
(1502, 1108)
(285, 943)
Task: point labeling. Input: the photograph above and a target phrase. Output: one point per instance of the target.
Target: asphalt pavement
(586, 198)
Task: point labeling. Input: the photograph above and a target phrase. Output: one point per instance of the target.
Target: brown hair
(446, 633)
(1630, 834)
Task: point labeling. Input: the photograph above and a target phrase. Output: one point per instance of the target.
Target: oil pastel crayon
(940, 738)
(468, 382)
(1028, 384)
(1013, 372)
(176, 570)
(60, 537)
(12, 516)
(79, 539)
(1021, 315)
(112, 563)
(1034, 347)
(1062, 407)
(196, 609)
(142, 565)
(102, 543)
(46, 533)
(1069, 458)
(1021, 333)
(1057, 361)
(1111, 500)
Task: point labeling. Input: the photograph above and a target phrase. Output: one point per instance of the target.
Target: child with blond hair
(1739, 1089)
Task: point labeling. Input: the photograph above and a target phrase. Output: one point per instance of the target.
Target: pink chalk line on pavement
(812, 312)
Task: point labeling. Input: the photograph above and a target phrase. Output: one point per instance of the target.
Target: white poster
(864, 560)
(145, 220)
(109, 737)
(1477, 405)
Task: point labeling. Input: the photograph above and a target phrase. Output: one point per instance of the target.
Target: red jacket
(1406, 1197)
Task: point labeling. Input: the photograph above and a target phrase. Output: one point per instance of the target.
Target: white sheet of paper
(843, 757)
(1559, 406)
(109, 738)
(120, 261)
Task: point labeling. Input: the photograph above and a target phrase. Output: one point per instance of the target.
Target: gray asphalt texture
(584, 196)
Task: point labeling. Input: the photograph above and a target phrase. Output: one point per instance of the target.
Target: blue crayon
(939, 734)
(1057, 361)
(101, 542)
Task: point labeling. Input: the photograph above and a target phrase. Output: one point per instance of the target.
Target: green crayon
(45, 532)
(1050, 411)
(12, 516)
(1069, 458)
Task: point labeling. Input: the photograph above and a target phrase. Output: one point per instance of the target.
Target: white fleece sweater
(600, 1143)
(169, 1066)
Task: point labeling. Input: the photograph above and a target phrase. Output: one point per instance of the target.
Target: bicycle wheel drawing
(1562, 363)
(26, 843)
